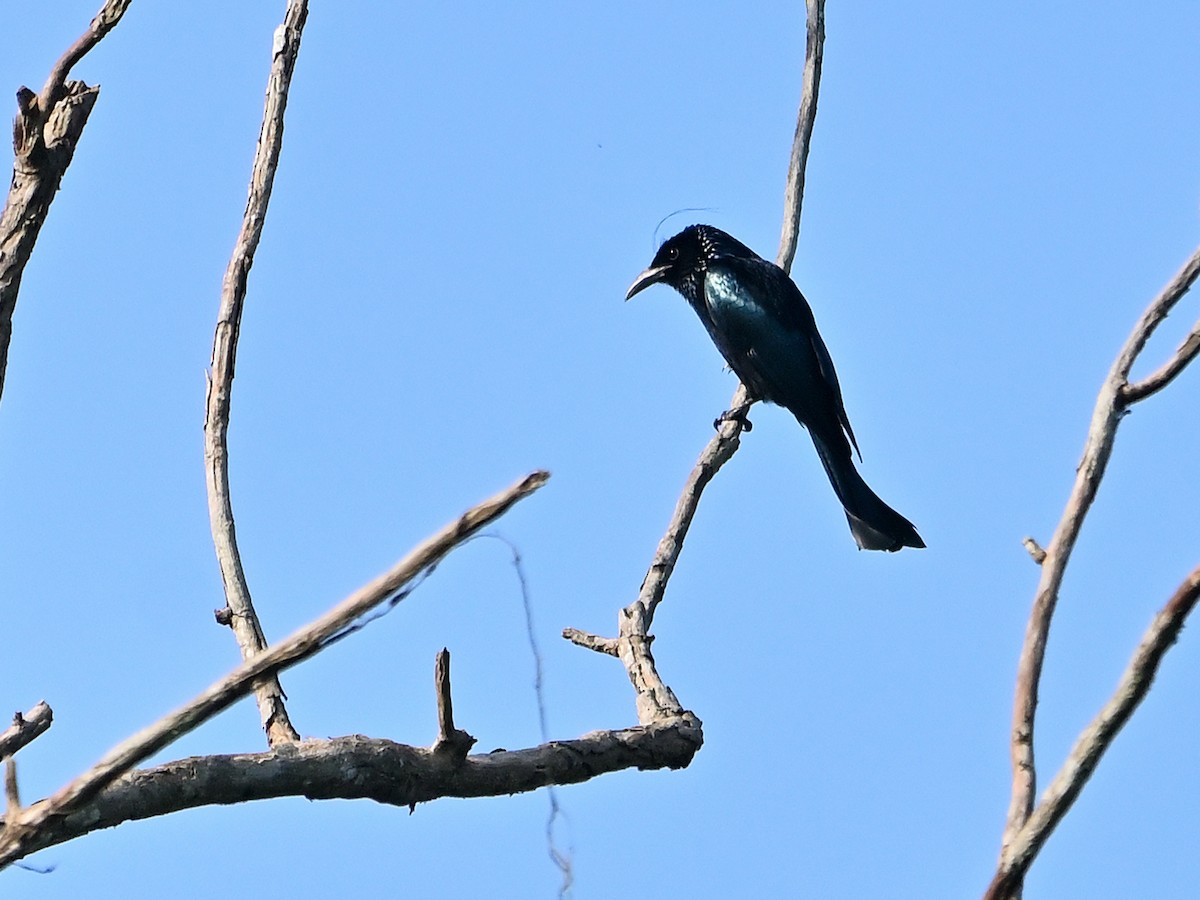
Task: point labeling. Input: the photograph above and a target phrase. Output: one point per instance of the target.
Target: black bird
(764, 328)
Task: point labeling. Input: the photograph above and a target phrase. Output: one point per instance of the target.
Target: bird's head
(681, 261)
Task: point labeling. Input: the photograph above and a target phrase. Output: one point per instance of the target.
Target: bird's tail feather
(874, 524)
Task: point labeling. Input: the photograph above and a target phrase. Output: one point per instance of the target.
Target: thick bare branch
(23, 832)
(357, 767)
(242, 617)
(1095, 740)
(1110, 407)
(25, 729)
(45, 133)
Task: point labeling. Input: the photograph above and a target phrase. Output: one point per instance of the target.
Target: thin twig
(25, 729)
(1036, 553)
(1110, 407)
(243, 619)
(1166, 373)
(1095, 740)
(656, 702)
(591, 641)
(725, 443)
(308, 641)
(793, 197)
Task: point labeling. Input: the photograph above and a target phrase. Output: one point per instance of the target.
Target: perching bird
(764, 328)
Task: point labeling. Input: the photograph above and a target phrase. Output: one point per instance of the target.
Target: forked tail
(874, 524)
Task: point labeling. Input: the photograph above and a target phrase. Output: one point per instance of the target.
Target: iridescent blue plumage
(765, 329)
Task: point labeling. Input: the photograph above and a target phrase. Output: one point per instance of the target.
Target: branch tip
(451, 741)
(591, 641)
(1035, 550)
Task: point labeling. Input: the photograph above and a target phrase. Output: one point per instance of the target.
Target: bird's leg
(738, 414)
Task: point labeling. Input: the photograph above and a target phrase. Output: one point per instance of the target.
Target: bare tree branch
(242, 618)
(454, 741)
(591, 641)
(21, 833)
(656, 702)
(25, 729)
(45, 133)
(1111, 405)
(104, 22)
(1095, 740)
(357, 767)
(12, 793)
(1166, 373)
(793, 197)
(725, 443)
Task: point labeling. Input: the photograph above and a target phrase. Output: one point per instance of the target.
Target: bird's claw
(739, 415)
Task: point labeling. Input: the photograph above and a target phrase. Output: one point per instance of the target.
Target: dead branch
(1095, 740)
(1114, 399)
(242, 617)
(656, 702)
(46, 132)
(25, 729)
(451, 741)
(21, 833)
(725, 443)
(357, 767)
(793, 196)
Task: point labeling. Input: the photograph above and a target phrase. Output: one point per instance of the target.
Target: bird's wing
(764, 319)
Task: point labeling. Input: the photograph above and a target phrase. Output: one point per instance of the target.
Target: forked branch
(46, 131)
(24, 833)
(656, 702)
(1115, 398)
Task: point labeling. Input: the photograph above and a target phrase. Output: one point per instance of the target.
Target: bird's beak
(652, 275)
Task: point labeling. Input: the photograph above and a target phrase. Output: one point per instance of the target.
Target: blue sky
(993, 197)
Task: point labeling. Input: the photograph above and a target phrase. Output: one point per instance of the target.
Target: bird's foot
(739, 414)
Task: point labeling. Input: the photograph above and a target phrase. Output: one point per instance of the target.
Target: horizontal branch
(25, 729)
(590, 641)
(308, 641)
(357, 767)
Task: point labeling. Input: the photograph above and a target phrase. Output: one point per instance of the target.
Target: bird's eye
(673, 254)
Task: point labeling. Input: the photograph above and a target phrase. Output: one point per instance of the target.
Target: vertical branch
(46, 131)
(725, 443)
(655, 700)
(242, 617)
(793, 197)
